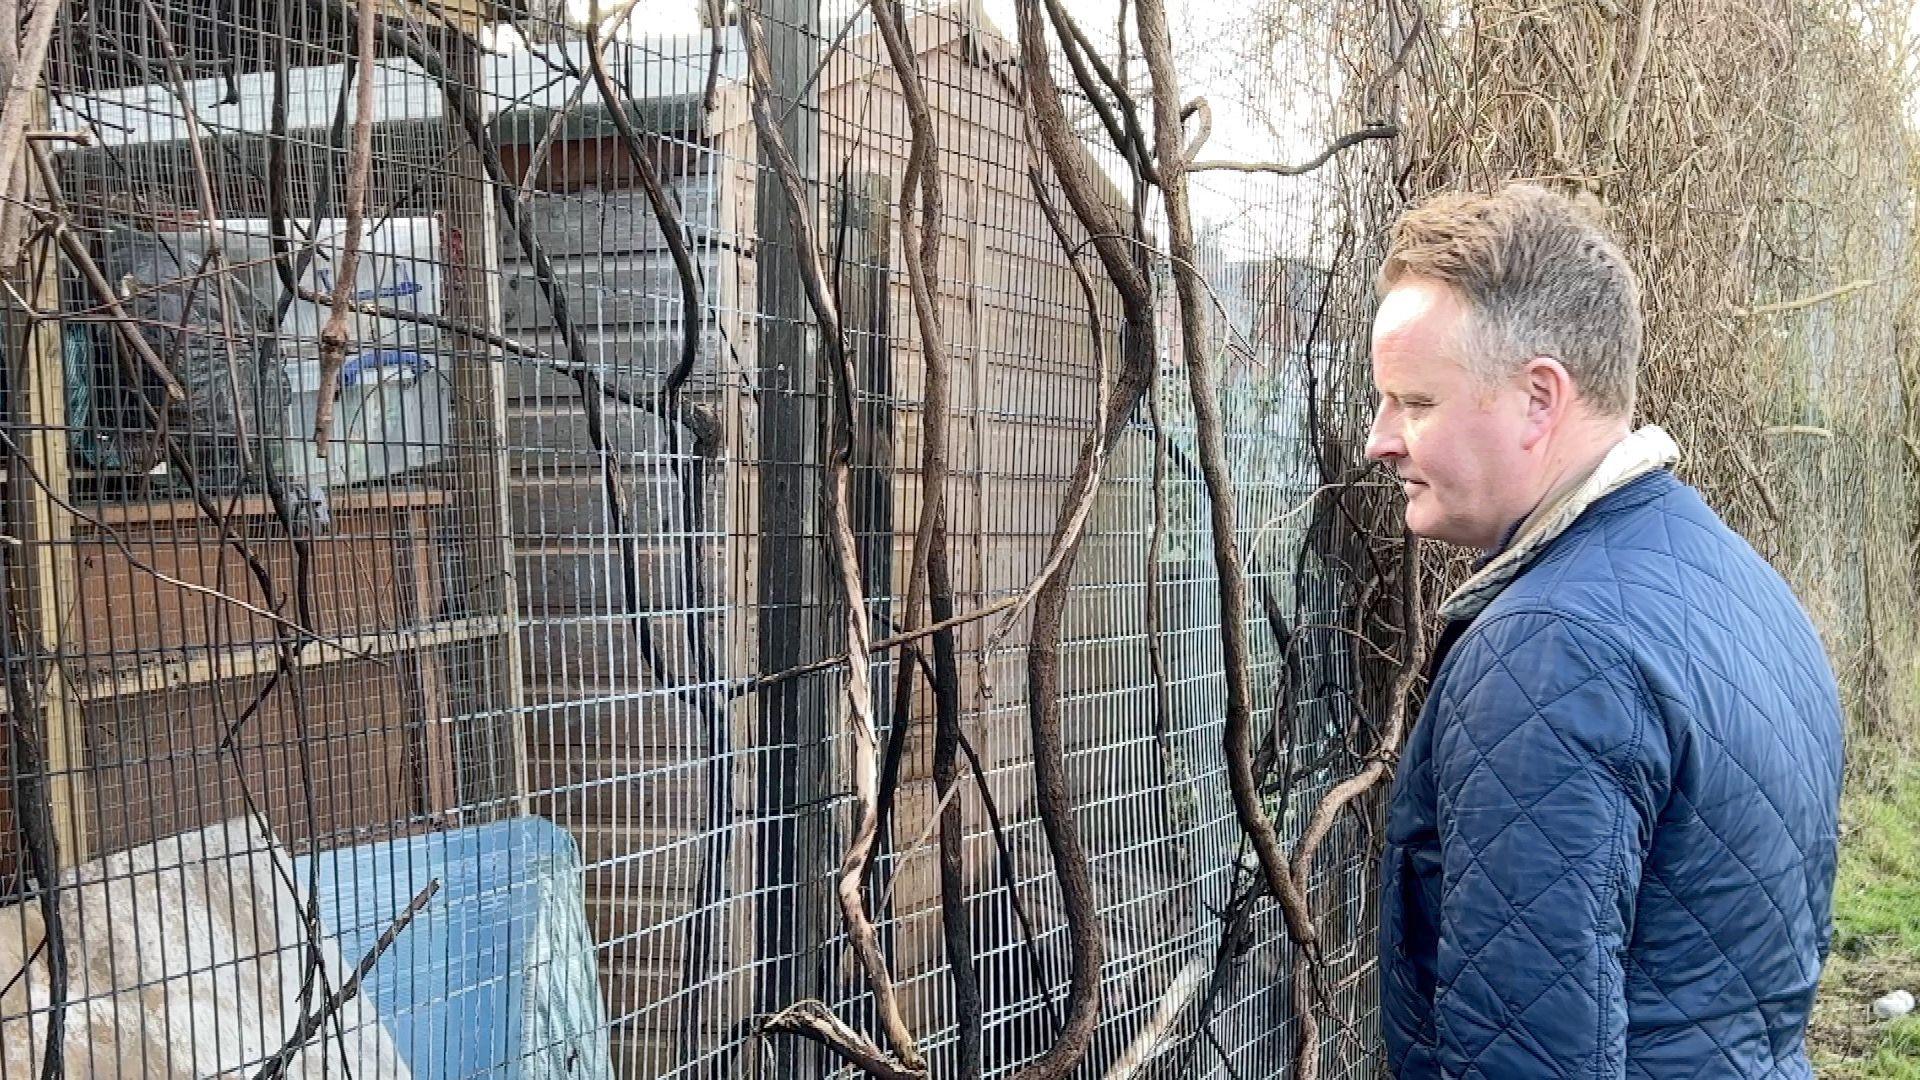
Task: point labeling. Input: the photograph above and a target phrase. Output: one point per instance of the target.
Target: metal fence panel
(465, 741)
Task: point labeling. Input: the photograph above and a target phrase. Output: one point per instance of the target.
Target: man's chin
(1430, 527)
(1441, 533)
(1419, 521)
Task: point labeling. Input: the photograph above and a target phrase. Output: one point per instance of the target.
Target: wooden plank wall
(1023, 384)
(160, 675)
(613, 756)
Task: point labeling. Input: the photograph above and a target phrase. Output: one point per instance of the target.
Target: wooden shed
(166, 691)
(565, 625)
(640, 742)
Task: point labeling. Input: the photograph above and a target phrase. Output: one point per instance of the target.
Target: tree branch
(1068, 159)
(813, 1020)
(33, 477)
(1157, 47)
(1078, 511)
(1085, 62)
(1351, 138)
(1636, 70)
(29, 62)
(1010, 877)
(310, 1024)
(76, 250)
(1053, 802)
(856, 702)
(668, 218)
(885, 644)
(1147, 1041)
(1385, 753)
(333, 336)
(920, 225)
(1821, 297)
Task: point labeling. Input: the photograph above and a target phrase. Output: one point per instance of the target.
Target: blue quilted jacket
(1610, 849)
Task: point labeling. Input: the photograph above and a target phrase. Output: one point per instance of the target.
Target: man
(1610, 850)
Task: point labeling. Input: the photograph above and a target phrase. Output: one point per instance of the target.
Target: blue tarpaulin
(495, 978)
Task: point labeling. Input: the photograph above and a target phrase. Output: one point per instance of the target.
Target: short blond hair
(1540, 278)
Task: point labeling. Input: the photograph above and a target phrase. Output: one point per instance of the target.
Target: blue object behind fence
(495, 978)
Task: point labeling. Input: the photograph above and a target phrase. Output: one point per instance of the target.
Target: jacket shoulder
(1695, 606)
(1631, 563)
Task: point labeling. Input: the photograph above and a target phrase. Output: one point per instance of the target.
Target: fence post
(42, 587)
(795, 621)
(492, 761)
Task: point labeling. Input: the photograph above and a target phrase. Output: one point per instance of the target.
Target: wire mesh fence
(427, 638)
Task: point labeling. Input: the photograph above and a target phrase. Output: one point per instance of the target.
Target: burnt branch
(920, 224)
(24, 654)
(176, 83)
(177, 457)
(687, 479)
(664, 213)
(314, 976)
(310, 1024)
(1236, 937)
(466, 112)
(1010, 876)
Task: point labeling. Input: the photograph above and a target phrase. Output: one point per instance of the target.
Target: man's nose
(1383, 439)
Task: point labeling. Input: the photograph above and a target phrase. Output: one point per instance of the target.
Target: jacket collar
(1646, 450)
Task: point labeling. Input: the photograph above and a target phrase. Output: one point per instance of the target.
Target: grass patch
(1898, 1055)
(1876, 945)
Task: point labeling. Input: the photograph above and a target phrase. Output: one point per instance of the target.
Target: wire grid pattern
(490, 658)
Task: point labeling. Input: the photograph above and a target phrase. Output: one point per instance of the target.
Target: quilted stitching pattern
(1611, 846)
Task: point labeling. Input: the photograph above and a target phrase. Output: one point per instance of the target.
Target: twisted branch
(1157, 47)
(920, 198)
(1067, 159)
(28, 58)
(1351, 138)
(1385, 753)
(812, 1019)
(856, 702)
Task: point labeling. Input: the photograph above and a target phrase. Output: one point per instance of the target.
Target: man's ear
(1550, 393)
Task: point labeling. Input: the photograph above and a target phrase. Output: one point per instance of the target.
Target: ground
(1876, 945)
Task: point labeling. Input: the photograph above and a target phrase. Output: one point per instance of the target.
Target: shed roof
(521, 88)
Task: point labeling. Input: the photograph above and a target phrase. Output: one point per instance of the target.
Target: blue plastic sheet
(495, 978)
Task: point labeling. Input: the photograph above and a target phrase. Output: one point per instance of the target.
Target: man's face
(1459, 445)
